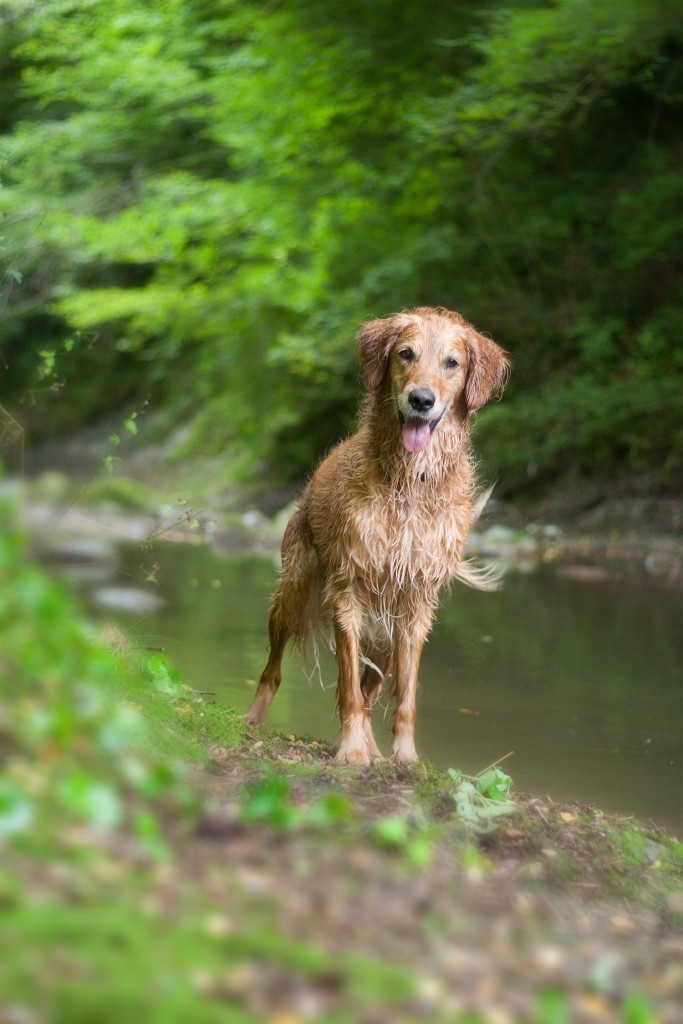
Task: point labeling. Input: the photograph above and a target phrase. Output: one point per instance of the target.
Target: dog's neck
(447, 451)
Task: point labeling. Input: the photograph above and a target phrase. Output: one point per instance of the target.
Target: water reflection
(581, 679)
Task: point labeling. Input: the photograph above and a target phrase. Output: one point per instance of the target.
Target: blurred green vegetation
(101, 918)
(89, 728)
(202, 199)
(114, 903)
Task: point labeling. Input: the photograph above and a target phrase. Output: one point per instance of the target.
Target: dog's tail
(471, 572)
(481, 577)
(481, 501)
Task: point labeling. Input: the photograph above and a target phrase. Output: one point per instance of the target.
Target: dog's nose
(421, 399)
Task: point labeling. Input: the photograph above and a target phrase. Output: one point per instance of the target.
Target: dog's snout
(421, 399)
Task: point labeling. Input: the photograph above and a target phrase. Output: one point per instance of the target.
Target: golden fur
(381, 526)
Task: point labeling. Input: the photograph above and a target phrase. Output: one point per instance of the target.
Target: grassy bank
(159, 859)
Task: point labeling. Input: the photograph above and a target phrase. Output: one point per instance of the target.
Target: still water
(581, 679)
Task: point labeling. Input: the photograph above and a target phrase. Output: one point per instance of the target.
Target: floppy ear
(488, 370)
(375, 341)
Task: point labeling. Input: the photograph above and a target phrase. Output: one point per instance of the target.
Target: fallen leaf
(594, 1007)
(623, 925)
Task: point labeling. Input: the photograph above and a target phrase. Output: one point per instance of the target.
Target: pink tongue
(415, 436)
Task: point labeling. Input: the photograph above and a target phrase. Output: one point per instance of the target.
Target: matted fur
(382, 524)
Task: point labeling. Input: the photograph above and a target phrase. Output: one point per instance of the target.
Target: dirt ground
(559, 913)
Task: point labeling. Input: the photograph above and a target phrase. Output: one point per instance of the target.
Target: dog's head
(430, 362)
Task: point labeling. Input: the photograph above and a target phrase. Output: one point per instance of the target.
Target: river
(579, 677)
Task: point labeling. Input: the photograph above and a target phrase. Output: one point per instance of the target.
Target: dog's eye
(407, 354)
(451, 363)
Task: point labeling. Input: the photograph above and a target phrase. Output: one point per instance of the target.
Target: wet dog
(382, 524)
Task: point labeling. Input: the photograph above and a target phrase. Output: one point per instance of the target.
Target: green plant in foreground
(268, 801)
(481, 799)
(78, 745)
(411, 835)
(111, 959)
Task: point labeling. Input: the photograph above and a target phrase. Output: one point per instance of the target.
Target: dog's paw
(404, 753)
(254, 718)
(353, 756)
(374, 753)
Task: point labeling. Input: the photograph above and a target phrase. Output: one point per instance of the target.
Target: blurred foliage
(88, 734)
(102, 918)
(202, 199)
(268, 800)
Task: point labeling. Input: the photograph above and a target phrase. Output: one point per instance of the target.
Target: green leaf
(392, 832)
(16, 809)
(266, 801)
(85, 796)
(494, 784)
(553, 1008)
(148, 832)
(329, 810)
(165, 675)
(420, 851)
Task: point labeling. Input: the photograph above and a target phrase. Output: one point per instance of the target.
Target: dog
(381, 526)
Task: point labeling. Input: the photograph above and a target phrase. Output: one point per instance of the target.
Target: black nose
(421, 399)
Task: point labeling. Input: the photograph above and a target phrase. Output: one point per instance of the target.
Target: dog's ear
(375, 342)
(488, 370)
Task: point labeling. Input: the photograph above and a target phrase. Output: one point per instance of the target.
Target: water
(582, 680)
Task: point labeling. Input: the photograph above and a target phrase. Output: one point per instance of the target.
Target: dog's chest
(396, 541)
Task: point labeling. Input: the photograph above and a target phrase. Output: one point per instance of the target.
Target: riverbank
(160, 857)
(627, 513)
(304, 892)
(611, 534)
(559, 909)
(587, 694)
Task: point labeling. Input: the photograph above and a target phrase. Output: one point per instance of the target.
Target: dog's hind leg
(289, 612)
(372, 680)
(271, 676)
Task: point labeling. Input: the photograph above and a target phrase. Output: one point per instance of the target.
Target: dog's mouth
(416, 431)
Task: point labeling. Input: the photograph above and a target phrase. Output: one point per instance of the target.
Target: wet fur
(379, 530)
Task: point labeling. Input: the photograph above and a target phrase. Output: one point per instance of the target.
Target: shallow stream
(579, 677)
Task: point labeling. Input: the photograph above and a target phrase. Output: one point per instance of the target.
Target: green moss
(209, 724)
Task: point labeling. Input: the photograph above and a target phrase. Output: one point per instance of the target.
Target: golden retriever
(381, 526)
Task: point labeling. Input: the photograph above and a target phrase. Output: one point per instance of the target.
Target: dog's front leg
(408, 645)
(353, 746)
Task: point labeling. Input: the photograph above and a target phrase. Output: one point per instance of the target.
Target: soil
(558, 905)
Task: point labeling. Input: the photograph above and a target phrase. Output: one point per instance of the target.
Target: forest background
(201, 199)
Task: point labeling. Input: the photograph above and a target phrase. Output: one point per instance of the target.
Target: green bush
(196, 213)
(88, 734)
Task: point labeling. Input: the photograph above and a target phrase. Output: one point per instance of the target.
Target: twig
(494, 763)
